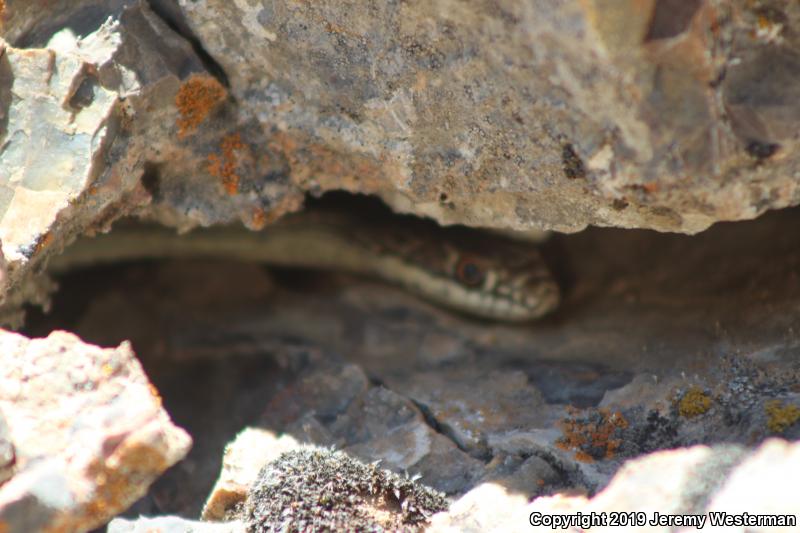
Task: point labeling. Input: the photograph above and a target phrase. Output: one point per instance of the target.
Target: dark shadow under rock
(661, 341)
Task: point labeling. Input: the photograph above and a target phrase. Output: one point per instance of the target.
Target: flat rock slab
(87, 430)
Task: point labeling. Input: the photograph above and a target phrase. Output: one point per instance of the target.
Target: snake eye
(470, 273)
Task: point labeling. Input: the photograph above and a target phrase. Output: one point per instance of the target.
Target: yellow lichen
(781, 417)
(195, 99)
(694, 403)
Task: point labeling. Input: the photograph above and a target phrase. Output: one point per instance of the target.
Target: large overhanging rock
(662, 114)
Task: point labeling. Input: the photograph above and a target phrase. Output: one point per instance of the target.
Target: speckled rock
(243, 459)
(658, 114)
(88, 433)
(645, 354)
(655, 114)
(661, 114)
(689, 482)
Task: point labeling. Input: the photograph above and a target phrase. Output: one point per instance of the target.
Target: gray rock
(509, 116)
(523, 115)
(694, 481)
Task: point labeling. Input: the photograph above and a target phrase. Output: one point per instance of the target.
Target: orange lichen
(114, 478)
(224, 166)
(43, 242)
(595, 435)
(196, 98)
(155, 394)
(322, 166)
(781, 417)
(261, 218)
(694, 403)
(583, 457)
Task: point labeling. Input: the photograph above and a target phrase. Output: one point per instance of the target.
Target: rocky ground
(666, 382)
(646, 353)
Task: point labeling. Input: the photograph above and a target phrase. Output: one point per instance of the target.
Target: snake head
(480, 274)
(496, 277)
(509, 283)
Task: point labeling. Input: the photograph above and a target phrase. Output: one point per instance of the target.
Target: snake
(482, 275)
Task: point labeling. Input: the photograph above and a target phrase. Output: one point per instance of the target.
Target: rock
(663, 115)
(243, 460)
(693, 482)
(172, 524)
(572, 120)
(485, 507)
(208, 113)
(107, 436)
(558, 405)
(53, 136)
(472, 416)
(7, 454)
(370, 423)
(767, 468)
(101, 99)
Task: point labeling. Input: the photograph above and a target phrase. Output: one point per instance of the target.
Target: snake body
(481, 275)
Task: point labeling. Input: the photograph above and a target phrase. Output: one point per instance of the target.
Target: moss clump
(694, 403)
(781, 417)
(314, 489)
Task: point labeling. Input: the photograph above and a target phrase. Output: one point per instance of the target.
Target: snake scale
(483, 275)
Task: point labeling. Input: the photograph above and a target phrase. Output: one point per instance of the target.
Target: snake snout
(542, 296)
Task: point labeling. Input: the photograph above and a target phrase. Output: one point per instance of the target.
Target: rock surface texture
(645, 354)
(691, 482)
(668, 115)
(659, 114)
(86, 431)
